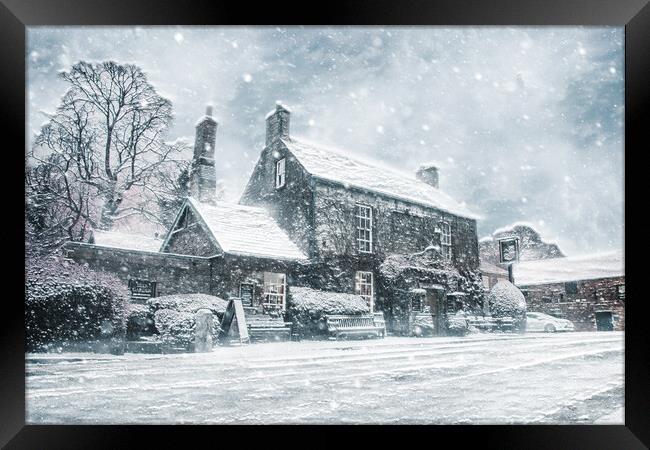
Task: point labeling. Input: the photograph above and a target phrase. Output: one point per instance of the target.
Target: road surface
(479, 379)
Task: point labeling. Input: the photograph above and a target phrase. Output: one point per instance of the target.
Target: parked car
(536, 321)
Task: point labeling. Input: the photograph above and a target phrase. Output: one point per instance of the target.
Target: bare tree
(101, 156)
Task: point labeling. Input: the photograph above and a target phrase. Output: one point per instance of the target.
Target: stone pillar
(203, 331)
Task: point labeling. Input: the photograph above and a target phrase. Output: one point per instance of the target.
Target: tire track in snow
(129, 368)
(245, 383)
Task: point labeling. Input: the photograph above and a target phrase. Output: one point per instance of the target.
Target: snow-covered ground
(533, 378)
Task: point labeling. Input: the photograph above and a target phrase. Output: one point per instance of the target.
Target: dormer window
(445, 239)
(280, 173)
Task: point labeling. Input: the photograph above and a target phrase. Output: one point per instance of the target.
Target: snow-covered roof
(128, 241)
(246, 230)
(569, 268)
(430, 164)
(336, 165)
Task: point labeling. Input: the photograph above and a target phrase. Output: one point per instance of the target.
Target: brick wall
(579, 306)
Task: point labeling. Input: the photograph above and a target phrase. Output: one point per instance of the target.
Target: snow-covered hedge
(174, 316)
(66, 302)
(457, 324)
(506, 300)
(189, 303)
(307, 308)
(176, 328)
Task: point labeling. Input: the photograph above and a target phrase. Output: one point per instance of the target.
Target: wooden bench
(262, 327)
(362, 325)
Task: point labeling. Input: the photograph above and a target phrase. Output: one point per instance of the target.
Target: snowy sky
(527, 123)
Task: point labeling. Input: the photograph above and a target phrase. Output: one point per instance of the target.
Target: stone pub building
(309, 216)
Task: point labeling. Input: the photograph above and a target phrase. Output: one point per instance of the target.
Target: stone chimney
(428, 173)
(277, 124)
(203, 179)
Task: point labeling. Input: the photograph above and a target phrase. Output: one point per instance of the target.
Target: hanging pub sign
(508, 250)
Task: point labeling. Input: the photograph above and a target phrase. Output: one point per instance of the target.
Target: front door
(604, 321)
(436, 306)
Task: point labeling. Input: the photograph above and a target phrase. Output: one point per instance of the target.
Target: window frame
(281, 176)
(364, 235)
(359, 283)
(268, 292)
(445, 244)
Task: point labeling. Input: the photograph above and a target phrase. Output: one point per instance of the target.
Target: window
(621, 291)
(363, 287)
(274, 290)
(571, 287)
(364, 228)
(445, 239)
(280, 173)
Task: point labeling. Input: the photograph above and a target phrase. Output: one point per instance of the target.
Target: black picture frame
(16, 15)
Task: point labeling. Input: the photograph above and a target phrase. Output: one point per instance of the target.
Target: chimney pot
(428, 173)
(208, 110)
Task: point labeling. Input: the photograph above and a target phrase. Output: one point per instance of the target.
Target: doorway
(604, 321)
(434, 298)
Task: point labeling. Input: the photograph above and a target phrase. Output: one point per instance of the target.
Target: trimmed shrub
(457, 324)
(174, 316)
(66, 302)
(506, 300)
(176, 328)
(308, 307)
(190, 303)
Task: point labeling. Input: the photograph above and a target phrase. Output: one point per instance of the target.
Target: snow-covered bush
(457, 324)
(66, 302)
(308, 307)
(189, 303)
(506, 300)
(174, 316)
(176, 328)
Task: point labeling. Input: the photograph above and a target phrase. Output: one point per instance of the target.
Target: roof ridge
(370, 161)
(227, 205)
(391, 182)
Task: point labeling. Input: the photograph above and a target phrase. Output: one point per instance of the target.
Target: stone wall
(230, 271)
(559, 299)
(173, 274)
(290, 205)
(191, 241)
(398, 227)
